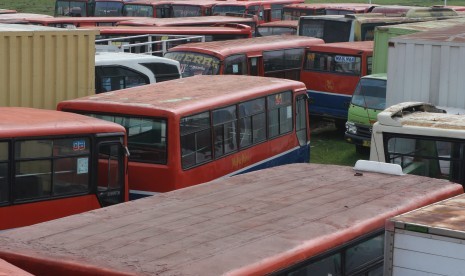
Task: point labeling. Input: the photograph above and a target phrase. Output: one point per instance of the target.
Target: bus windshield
(335, 63)
(265, 30)
(222, 10)
(186, 11)
(370, 93)
(70, 8)
(294, 14)
(146, 137)
(195, 63)
(138, 10)
(108, 8)
(329, 31)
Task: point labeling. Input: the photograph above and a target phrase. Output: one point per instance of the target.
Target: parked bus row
(299, 219)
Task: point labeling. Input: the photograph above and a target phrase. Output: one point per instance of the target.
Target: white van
(118, 70)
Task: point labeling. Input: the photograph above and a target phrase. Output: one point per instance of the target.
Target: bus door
(255, 65)
(110, 171)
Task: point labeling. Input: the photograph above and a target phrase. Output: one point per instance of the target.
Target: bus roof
(228, 47)
(346, 47)
(111, 58)
(449, 35)
(281, 23)
(185, 95)
(206, 30)
(418, 114)
(186, 21)
(249, 224)
(11, 270)
(23, 121)
(84, 19)
(445, 218)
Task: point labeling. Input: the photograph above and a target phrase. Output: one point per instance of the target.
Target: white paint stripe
(142, 192)
(329, 93)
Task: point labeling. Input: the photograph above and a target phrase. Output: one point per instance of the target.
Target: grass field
(327, 144)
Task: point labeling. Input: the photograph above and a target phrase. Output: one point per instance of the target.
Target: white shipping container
(428, 67)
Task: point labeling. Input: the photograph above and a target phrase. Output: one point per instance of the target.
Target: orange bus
(188, 131)
(269, 56)
(331, 72)
(55, 164)
(133, 34)
(299, 219)
(144, 8)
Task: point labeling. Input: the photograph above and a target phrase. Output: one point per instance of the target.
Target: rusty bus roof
(446, 218)
(448, 35)
(347, 47)
(180, 21)
(187, 95)
(249, 224)
(423, 116)
(23, 121)
(265, 43)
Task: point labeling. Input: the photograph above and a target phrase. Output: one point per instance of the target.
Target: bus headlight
(351, 128)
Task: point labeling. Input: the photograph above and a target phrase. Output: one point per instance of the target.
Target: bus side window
(4, 183)
(225, 130)
(195, 140)
(235, 65)
(279, 114)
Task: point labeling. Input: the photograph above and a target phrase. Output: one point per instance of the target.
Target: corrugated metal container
(428, 67)
(384, 33)
(41, 66)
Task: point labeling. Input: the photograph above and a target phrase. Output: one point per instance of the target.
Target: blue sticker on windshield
(79, 145)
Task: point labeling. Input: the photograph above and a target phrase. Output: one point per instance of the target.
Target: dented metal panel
(41, 66)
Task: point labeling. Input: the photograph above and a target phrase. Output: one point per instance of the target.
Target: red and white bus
(269, 56)
(188, 131)
(299, 219)
(331, 72)
(55, 164)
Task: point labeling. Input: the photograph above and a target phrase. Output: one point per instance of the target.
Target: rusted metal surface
(248, 224)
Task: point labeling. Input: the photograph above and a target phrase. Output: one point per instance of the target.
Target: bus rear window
(108, 9)
(70, 8)
(223, 10)
(138, 10)
(329, 31)
(195, 63)
(185, 11)
(146, 137)
(333, 63)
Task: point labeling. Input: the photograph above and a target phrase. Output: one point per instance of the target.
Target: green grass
(329, 147)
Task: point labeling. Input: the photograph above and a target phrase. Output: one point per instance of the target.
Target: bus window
(235, 65)
(301, 119)
(279, 114)
(4, 185)
(195, 139)
(252, 122)
(195, 63)
(108, 8)
(66, 8)
(224, 130)
(329, 31)
(283, 63)
(109, 182)
(109, 78)
(276, 11)
(138, 10)
(185, 11)
(163, 71)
